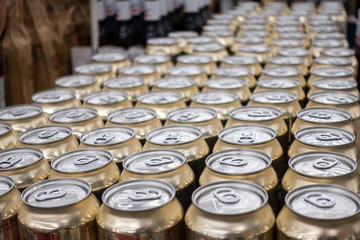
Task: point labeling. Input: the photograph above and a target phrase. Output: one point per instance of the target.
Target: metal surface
(81, 84)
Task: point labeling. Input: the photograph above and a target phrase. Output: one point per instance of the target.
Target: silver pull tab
(50, 194)
(105, 138)
(86, 159)
(278, 98)
(246, 137)
(172, 138)
(211, 98)
(145, 195)
(233, 161)
(328, 137)
(325, 163)
(336, 99)
(162, 160)
(47, 134)
(18, 112)
(134, 115)
(261, 114)
(74, 115)
(319, 200)
(10, 161)
(227, 195)
(109, 99)
(162, 100)
(320, 115)
(188, 116)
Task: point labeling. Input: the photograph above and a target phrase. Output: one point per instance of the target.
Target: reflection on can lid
(213, 28)
(174, 82)
(192, 115)
(132, 115)
(151, 59)
(333, 35)
(218, 33)
(215, 97)
(282, 71)
(107, 136)
(105, 97)
(332, 72)
(255, 113)
(241, 60)
(210, 47)
(75, 81)
(335, 84)
(333, 98)
(232, 71)
(273, 97)
(219, 21)
(286, 60)
(323, 115)
(6, 184)
(337, 61)
(225, 83)
(124, 82)
(293, 35)
(253, 48)
(162, 41)
(53, 96)
(283, 29)
(279, 83)
(17, 158)
(73, 115)
(249, 40)
(328, 43)
(201, 40)
(137, 70)
(19, 112)
(109, 57)
(45, 134)
(173, 135)
(338, 52)
(252, 27)
(322, 29)
(194, 59)
(97, 68)
(159, 97)
(287, 43)
(256, 34)
(183, 34)
(184, 71)
(293, 52)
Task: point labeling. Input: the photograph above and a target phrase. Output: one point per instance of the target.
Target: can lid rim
(5, 109)
(34, 150)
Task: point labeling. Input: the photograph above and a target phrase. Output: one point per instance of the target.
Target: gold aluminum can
(319, 210)
(338, 85)
(224, 37)
(24, 165)
(52, 140)
(161, 101)
(62, 209)
(261, 115)
(243, 61)
(341, 52)
(163, 46)
(284, 72)
(296, 52)
(261, 34)
(100, 71)
(192, 42)
(119, 141)
(243, 164)
(81, 84)
(23, 116)
(190, 71)
(277, 44)
(261, 52)
(253, 136)
(140, 209)
(334, 35)
(319, 45)
(324, 138)
(230, 210)
(163, 164)
(147, 72)
(236, 72)
(216, 50)
(53, 100)
(236, 85)
(133, 86)
(182, 37)
(183, 85)
(320, 62)
(94, 166)
(107, 101)
(186, 139)
(11, 202)
(79, 119)
(244, 41)
(160, 62)
(298, 36)
(288, 62)
(221, 101)
(116, 60)
(8, 137)
(203, 61)
(141, 120)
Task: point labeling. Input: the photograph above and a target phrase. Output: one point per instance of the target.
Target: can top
(174, 82)
(219, 21)
(322, 164)
(282, 71)
(333, 98)
(254, 21)
(287, 22)
(225, 83)
(138, 70)
(332, 72)
(252, 27)
(106, 97)
(109, 57)
(333, 35)
(81, 161)
(162, 41)
(247, 134)
(323, 115)
(155, 161)
(201, 40)
(216, 97)
(159, 97)
(73, 115)
(106, 136)
(232, 71)
(335, 84)
(56, 193)
(323, 29)
(183, 71)
(293, 52)
(238, 161)
(45, 135)
(324, 136)
(219, 33)
(20, 111)
(6, 184)
(215, 28)
(279, 83)
(209, 47)
(138, 195)
(194, 59)
(256, 34)
(173, 135)
(94, 68)
(5, 128)
(132, 115)
(249, 40)
(288, 29)
(337, 61)
(18, 158)
(293, 35)
(124, 82)
(53, 96)
(257, 48)
(328, 43)
(273, 97)
(229, 197)
(183, 34)
(286, 60)
(152, 59)
(338, 52)
(319, 17)
(323, 202)
(287, 43)
(255, 113)
(75, 81)
(192, 115)
(240, 60)
(321, 22)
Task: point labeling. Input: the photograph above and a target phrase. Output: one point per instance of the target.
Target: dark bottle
(164, 17)
(103, 36)
(192, 20)
(152, 18)
(136, 17)
(123, 36)
(110, 11)
(177, 14)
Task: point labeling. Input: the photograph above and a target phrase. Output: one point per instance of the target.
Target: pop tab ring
(325, 163)
(227, 195)
(233, 161)
(162, 160)
(319, 200)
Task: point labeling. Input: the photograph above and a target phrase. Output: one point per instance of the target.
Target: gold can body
(8, 137)
(100, 71)
(80, 84)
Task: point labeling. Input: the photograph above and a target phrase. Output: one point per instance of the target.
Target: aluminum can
(284, 72)
(163, 46)
(107, 101)
(53, 100)
(230, 210)
(62, 209)
(133, 86)
(225, 37)
(253, 136)
(221, 101)
(119, 141)
(161, 101)
(296, 52)
(24, 165)
(206, 62)
(243, 164)
(160, 62)
(261, 115)
(52, 140)
(216, 50)
(116, 60)
(23, 116)
(261, 52)
(8, 137)
(330, 73)
(147, 72)
(186, 139)
(10, 199)
(319, 45)
(79, 119)
(298, 36)
(81, 84)
(100, 71)
(162, 164)
(94, 166)
(341, 52)
(319, 210)
(182, 37)
(194, 41)
(197, 73)
(236, 72)
(288, 62)
(184, 85)
(243, 61)
(328, 62)
(339, 84)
